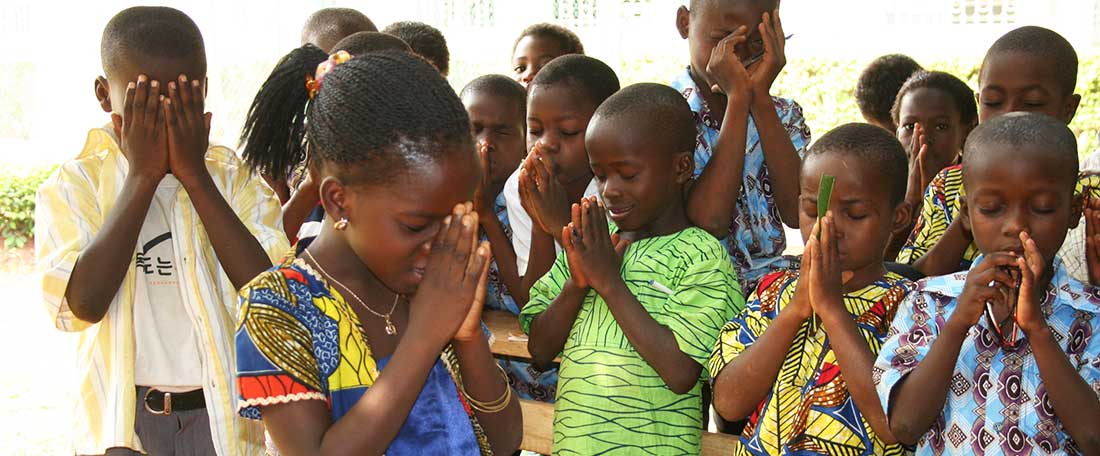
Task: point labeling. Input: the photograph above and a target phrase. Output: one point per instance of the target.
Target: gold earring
(341, 224)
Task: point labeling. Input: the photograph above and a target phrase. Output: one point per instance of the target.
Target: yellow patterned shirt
(71, 207)
(809, 410)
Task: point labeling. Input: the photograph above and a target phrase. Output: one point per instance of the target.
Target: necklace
(390, 328)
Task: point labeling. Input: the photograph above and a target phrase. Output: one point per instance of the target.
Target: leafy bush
(17, 205)
(826, 89)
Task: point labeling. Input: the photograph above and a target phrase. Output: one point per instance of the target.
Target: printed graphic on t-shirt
(154, 260)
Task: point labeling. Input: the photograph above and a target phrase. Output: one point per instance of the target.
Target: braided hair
(273, 138)
(383, 113)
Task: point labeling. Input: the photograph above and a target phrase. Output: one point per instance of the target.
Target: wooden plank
(508, 338)
(538, 432)
(538, 426)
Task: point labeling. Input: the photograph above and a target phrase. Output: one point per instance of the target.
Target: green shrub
(826, 89)
(17, 191)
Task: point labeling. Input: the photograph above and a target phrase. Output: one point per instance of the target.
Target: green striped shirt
(610, 401)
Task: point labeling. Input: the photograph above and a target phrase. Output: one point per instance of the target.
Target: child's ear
(334, 197)
(684, 166)
(103, 94)
(1070, 110)
(683, 21)
(903, 216)
(1076, 209)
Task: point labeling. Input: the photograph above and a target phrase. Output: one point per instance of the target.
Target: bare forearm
(482, 380)
(919, 398)
(1075, 403)
(550, 329)
(505, 259)
(99, 270)
(238, 251)
(780, 157)
(713, 196)
(296, 210)
(654, 342)
(946, 255)
(746, 380)
(856, 362)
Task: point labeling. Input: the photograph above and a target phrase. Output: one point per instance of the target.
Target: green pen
(824, 195)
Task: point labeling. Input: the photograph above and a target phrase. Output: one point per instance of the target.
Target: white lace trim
(281, 399)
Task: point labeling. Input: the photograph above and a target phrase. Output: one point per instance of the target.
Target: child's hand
(826, 278)
(1092, 239)
(471, 326)
(1029, 316)
(988, 282)
(763, 74)
(592, 250)
(726, 70)
(542, 195)
(577, 278)
(140, 129)
(919, 175)
(484, 199)
(188, 128)
(456, 267)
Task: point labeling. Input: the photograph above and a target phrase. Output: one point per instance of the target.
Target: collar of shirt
(1064, 290)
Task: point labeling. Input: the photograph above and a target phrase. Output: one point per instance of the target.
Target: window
(575, 13)
(984, 12)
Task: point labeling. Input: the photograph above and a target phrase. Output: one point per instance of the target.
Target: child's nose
(1015, 222)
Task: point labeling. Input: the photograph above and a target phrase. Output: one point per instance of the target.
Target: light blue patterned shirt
(756, 237)
(996, 403)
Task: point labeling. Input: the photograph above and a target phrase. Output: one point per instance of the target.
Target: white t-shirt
(166, 352)
(521, 223)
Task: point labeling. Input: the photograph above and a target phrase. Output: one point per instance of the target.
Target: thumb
(206, 120)
(116, 121)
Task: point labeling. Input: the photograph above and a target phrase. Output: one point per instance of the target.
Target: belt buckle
(167, 403)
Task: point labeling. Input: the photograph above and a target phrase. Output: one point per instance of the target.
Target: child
(365, 342)
(752, 188)
(556, 173)
(143, 240)
(879, 85)
(498, 117)
(328, 26)
(934, 113)
(807, 389)
(272, 137)
(633, 314)
(537, 45)
(1022, 378)
(425, 40)
(1027, 69)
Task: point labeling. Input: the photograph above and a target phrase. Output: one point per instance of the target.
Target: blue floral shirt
(756, 237)
(996, 403)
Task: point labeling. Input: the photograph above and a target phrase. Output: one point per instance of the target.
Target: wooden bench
(538, 417)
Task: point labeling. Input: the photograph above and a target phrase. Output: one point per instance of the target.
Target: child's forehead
(855, 179)
(730, 13)
(564, 98)
(125, 69)
(1018, 69)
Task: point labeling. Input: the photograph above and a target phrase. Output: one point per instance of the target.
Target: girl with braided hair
(370, 340)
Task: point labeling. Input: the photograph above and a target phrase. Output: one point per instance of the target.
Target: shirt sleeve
(259, 210)
(275, 352)
(931, 225)
(707, 297)
(67, 218)
(795, 122)
(908, 341)
(544, 292)
(742, 331)
(520, 223)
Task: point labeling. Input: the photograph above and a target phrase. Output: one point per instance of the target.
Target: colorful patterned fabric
(610, 400)
(996, 403)
(528, 381)
(942, 201)
(809, 410)
(756, 237)
(298, 339)
(70, 209)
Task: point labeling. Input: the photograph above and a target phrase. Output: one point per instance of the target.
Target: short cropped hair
(872, 145)
(654, 109)
(595, 79)
(425, 40)
(151, 31)
(879, 85)
(1042, 43)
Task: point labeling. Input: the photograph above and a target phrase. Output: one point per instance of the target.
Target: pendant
(390, 328)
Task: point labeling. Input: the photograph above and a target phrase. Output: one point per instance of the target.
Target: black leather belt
(162, 403)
